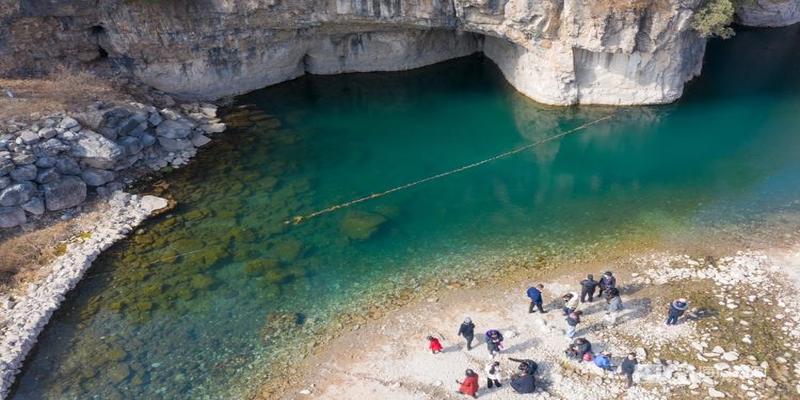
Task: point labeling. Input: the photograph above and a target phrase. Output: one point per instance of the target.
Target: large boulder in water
(361, 225)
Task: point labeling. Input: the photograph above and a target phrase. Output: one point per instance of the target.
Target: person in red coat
(470, 385)
(434, 345)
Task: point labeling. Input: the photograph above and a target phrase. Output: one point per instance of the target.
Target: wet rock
(288, 250)
(11, 217)
(202, 282)
(361, 225)
(118, 372)
(65, 193)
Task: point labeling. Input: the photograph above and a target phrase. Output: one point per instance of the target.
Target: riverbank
(731, 349)
(23, 317)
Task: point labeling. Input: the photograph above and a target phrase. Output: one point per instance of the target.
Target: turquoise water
(208, 295)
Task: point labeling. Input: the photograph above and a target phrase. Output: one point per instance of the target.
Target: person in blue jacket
(676, 310)
(535, 294)
(603, 360)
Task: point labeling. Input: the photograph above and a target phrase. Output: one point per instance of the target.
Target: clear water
(148, 324)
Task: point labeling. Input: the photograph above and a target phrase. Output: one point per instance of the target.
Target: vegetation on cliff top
(714, 19)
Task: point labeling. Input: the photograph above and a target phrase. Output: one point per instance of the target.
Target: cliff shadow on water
(207, 300)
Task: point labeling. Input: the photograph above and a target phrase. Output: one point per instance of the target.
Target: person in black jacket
(578, 348)
(607, 281)
(467, 330)
(588, 286)
(494, 341)
(525, 365)
(523, 381)
(628, 367)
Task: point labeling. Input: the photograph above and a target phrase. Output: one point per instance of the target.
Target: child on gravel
(494, 341)
(469, 386)
(434, 345)
(573, 319)
(493, 374)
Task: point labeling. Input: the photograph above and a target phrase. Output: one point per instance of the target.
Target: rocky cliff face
(554, 51)
(768, 12)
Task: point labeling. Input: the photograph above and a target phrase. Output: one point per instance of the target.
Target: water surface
(213, 291)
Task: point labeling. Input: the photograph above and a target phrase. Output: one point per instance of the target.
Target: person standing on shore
(535, 294)
(493, 374)
(573, 319)
(469, 386)
(434, 345)
(467, 330)
(628, 367)
(613, 306)
(676, 310)
(588, 287)
(494, 341)
(571, 302)
(607, 281)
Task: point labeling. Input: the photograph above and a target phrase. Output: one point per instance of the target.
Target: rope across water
(300, 218)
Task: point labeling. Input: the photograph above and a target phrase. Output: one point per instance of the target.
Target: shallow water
(200, 297)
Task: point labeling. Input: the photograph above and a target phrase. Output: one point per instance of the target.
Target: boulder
(45, 162)
(16, 194)
(65, 193)
(34, 206)
(23, 158)
(174, 144)
(96, 150)
(361, 225)
(29, 137)
(213, 128)
(131, 144)
(155, 118)
(97, 177)
(177, 129)
(6, 165)
(11, 217)
(47, 133)
(67, 166)
(147, 140)
(200, 140)
(4, 182)
(24, 173)
(47, 175)
(91, 119)
(68, 123)
(52, 147)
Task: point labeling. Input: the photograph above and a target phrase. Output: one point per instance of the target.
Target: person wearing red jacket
(434, 345)
(470, 384)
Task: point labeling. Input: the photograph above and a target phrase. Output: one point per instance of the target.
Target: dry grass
(24, 256)
(62, 91)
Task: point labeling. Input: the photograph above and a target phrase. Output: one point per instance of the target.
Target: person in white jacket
(571, 302)
(493, 374)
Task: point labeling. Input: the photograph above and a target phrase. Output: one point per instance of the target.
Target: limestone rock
(34, 206)
(361, 225)
(24, 173)
(767, 12)
(67, 166)
(96, 150)
(177, 129)
(11, 217)
(68, 192)
(714, 393)
(29, 137)
(97, 177)
(47, 175)
(16, 194)
(53, 147)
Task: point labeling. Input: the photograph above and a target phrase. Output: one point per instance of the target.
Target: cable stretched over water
(300, 218)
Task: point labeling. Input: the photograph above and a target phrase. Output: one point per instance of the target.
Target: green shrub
(714, 18)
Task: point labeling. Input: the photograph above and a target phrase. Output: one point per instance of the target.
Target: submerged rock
(361, 225)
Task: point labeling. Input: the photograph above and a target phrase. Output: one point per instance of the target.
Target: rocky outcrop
(25, 316)
(56, 162)
(768, 12)
(554, 51)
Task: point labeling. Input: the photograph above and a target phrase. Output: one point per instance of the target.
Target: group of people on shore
(523, 380)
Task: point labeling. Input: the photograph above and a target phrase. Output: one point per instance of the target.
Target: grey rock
(97, 177)
(45, 162)
(155, 118)
(200, 140)
(49, 123)
(91, 119)
(174, 144)
(24, 173)
(131, 144)
(34, 206)
(16, 194)
(29, 137)
(6, 166)
(23, 158)
(147, 140)
(69, 136)
(134, 125)
(4, 182)
(213, 128)
(68, 192)
(11, 217)
(47, 133)
(96, 150)
(67, 166)
(52, 147)
(177, 129)
(47, 175)
(68, 123)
